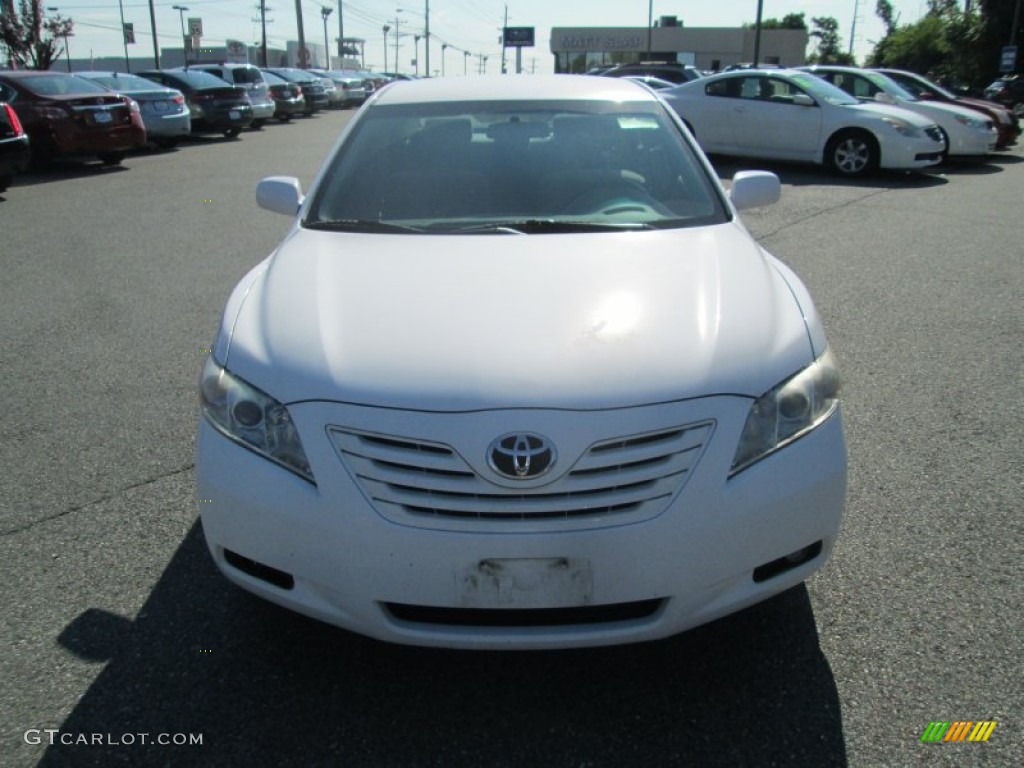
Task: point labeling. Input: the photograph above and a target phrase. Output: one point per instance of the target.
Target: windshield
(890, 86)
(125, 82)
(508, 167)
(824, 90)
(60, 85)
(198, 79)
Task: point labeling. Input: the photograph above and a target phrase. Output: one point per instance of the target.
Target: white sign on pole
(195, 27)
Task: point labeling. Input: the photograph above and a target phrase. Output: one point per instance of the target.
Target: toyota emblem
(521, 455)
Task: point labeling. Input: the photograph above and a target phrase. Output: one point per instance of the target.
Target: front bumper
(716, 546)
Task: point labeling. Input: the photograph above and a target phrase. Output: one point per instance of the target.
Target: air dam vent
(525, 617)
(259, 570)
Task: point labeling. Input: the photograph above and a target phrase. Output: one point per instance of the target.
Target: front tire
(852, 153)
(112, 158)
(231, 133)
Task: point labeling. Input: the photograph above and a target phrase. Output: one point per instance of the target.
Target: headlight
(787, 411)
(972, 122)
(252, 418)
(902, 126)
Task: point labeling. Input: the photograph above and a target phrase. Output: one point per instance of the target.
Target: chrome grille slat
(418, 482)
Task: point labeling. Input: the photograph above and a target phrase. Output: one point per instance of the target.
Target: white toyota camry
(518, 377)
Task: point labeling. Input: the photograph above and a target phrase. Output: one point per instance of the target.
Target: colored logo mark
(958, 730)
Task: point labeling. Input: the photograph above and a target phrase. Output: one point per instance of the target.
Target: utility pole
(325, 12)
(853, 24)
(504, 69)
(426, 34)
(156, 46)
(341, 34)
(262, 7)
(303, 54)
(757, 32)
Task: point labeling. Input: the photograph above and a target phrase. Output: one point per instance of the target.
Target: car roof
(514, 87)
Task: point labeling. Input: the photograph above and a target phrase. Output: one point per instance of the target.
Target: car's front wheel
(111, 158)
(852, 153)
(230, 133)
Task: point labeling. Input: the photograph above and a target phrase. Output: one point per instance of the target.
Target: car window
(451, 167)
(122, 82)
(880, 82)
(7, 93)
(60, 85)
(728, 87)
(198, 79)
(244, 75)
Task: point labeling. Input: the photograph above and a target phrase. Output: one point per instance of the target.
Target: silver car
(251, 78)
(349, 88)
(164, 111)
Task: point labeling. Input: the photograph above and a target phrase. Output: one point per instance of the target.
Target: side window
(728, 87)
(6, 94)
(751, 88)
(864, 88)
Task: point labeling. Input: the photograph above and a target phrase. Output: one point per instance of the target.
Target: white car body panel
(696, 310)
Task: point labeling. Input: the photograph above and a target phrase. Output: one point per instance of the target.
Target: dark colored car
(215, 105)
(67, 116)
(288, 98)
(1008, 90)
(14, 146)
(312, 89)
(674, 73)
(1005, 121)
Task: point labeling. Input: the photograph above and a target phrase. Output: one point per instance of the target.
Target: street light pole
(181, 17)
(426, 35)
(325, 12)
(156, 45)
(385, 28)
(444, 47)
(67, 48)
(416, 54)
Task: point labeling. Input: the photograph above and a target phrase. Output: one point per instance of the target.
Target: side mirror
(752, 189)
(803, 100)
(884, 98)
(280, 194)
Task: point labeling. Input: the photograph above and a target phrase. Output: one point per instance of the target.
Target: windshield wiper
(358, 225)
(546, 226)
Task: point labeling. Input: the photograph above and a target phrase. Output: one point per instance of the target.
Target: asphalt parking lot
(118, 631)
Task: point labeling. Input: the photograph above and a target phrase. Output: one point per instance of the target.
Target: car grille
(935, 133)
(428, 484)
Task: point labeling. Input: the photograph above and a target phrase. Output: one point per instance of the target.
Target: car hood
(462, 322)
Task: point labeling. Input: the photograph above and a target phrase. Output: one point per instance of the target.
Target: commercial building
(578, 49)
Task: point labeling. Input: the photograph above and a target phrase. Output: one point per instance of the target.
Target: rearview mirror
(280, 194)
(752, 189)
(803, 100)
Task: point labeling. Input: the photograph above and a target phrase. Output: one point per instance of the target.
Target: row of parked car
(850, 119)
(49, 114)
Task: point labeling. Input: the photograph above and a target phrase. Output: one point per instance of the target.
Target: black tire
(852, 153)
(257, 124)
(166, 143)
(284, 118)
(231, 133)
(111, 158)
(5, 181)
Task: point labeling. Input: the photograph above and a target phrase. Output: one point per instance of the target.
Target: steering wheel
(623, 196)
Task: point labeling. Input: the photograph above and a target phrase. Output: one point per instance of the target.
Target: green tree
(789, 21)
(33, 40)
(944, 42)
(826, 30)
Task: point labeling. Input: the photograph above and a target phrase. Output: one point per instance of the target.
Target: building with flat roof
(579, 49)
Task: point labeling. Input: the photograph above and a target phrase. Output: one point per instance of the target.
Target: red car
(68, 116)
(1005, 121)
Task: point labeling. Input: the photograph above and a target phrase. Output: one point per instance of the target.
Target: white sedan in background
(519, 377)
(782, 114)
(966, 132)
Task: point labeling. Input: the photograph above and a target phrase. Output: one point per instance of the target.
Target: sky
(465, 25)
